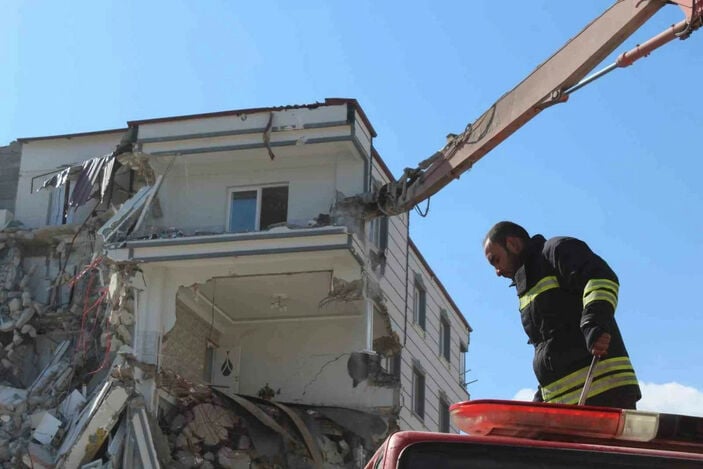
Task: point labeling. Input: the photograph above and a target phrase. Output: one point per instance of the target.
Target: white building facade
(247, 276)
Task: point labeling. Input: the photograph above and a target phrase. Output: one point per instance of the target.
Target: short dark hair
(504, 229)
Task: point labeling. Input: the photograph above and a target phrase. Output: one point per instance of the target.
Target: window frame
(378, 233)
(420, 304)
(259, 191)
(378, 227)
(392, 364)
(444, 423)
(445, 336)
(419, 386)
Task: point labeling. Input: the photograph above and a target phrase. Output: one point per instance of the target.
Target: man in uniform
(567, 296)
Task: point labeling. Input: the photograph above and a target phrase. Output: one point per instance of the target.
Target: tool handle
(589, 380)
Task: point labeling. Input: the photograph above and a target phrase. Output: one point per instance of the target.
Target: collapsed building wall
(302, 359)
(184, 348)
(51, 318)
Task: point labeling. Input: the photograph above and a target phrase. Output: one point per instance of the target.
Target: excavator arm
(550, 83)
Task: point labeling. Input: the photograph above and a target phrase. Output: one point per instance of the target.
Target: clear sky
(618, 166)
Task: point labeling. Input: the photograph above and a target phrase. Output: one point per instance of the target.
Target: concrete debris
(72, 404)
(140, 449)
(218, 430)
(52, 310)
(93, 426)
(344, 291)
(38, 456)
(71, 387)
(47, 429)
(11, 399)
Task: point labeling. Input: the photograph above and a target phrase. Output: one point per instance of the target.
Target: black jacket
(568, 297)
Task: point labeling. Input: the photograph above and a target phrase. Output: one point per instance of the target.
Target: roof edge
(237, 112)
(76, 135)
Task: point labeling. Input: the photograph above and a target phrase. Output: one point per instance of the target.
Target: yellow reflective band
(578, 377)
(600, 295)
(598, 387)
(547, 283)
(598, 283)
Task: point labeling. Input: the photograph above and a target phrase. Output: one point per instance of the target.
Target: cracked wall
(303, 360)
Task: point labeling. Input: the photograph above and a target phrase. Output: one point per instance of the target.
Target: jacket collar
(532, 250)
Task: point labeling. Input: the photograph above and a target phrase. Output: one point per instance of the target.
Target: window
(391, 364)
(419, 393)
(444, 414)
(255, 209)
(463, 348)
(444, 335)
(419, 304)
(378, 228)
(378, 233)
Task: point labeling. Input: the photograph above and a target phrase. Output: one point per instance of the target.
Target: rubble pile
(206, 429)
(68, 392)
(17, 307)
(47, 353)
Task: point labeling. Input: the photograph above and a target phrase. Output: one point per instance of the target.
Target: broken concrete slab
(11, 398)
(36, 418)
(51, 368)
(232, 459)
(313, 448)
(371, 428)
(116, 447)
(47, 429)
(70, 406)
(25, 317)
(93, 425)
(127, 211)
(139, 450)
(38, 457)
(6, 324)
(210, 423)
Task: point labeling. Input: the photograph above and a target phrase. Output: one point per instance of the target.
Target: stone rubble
(66, 325)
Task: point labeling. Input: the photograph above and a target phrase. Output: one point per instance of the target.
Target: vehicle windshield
(457, 455)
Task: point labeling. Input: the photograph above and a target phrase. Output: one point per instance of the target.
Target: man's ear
(514, 244)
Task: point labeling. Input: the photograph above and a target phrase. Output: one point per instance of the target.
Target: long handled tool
(589, 380)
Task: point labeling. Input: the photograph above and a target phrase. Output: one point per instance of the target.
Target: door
(225, 369)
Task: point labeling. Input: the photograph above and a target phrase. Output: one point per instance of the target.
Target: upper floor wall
(248, 171)
(46, 156)
(223, 172)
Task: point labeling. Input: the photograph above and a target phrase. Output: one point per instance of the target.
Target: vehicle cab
(513, 434)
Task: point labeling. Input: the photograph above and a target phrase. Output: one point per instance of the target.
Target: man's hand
(600, 346)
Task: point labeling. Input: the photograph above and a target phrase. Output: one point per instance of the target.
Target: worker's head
(503, 247)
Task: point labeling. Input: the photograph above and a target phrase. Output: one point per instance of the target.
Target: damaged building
(187, 292)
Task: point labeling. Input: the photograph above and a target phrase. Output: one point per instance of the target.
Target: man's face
(505, 260)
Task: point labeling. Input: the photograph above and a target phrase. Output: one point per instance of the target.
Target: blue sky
(618, 166)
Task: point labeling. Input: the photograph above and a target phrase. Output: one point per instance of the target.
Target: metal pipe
(591, 78)
(369, 325)
(644, 49)
(589, 380)
(628, 58)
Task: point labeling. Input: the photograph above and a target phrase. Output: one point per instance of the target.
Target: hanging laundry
(86, 180)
